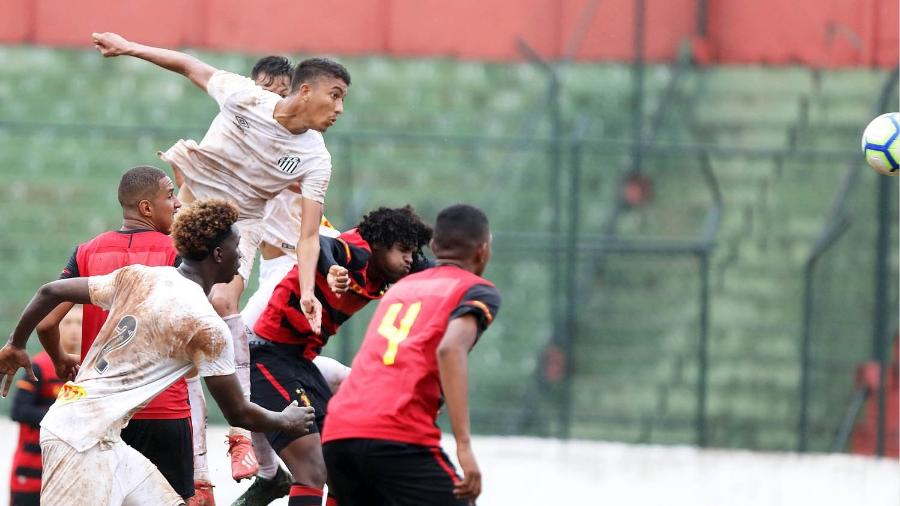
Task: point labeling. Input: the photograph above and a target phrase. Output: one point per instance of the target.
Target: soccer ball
(880, 144)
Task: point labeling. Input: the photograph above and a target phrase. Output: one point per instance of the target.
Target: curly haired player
(160, 326)
(353, 269)
(381, 442)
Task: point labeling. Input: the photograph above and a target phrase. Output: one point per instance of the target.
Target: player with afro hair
(354, 269)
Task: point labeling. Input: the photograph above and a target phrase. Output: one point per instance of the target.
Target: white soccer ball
(880, 145)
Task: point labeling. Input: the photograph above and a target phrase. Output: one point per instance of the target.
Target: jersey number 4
(395, 335)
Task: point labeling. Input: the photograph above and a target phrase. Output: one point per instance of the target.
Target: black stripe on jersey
(32, 448)
(71, 268)
(333, 251)
(482, 301)
(28, 472)
(337, 318)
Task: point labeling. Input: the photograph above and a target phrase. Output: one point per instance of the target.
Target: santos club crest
(288, 163)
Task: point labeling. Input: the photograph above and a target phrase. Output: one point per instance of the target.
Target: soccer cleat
(203, 494)
(262, 492)
(243, 460)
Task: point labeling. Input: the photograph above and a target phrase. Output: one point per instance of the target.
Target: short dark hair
(460, 226)
(313, 68)
(202, 226)
(387, 227)
(139, 183)
(272, 66)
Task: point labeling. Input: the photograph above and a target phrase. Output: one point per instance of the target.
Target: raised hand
(110, 44)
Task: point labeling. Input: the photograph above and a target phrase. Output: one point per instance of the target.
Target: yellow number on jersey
(395, 335)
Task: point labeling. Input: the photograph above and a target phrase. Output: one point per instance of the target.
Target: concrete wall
(823, 33)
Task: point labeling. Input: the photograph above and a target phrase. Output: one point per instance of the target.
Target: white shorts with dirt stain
(109, 473)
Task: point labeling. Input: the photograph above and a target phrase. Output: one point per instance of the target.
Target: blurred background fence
(690, 254)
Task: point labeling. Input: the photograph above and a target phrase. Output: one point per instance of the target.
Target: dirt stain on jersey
(206, 342)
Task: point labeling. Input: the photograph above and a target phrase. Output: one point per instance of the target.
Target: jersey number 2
(124, 333)
(394, 334)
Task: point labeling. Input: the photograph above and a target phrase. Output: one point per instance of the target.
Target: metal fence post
(879, 317)
(703, 348)
(571, 276)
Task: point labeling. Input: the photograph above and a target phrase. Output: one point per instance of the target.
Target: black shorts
(363, 472)
(168, 444)
(279, 375)
(25, 499)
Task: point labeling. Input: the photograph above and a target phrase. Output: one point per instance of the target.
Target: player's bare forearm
(307, 257)
(308, 260)
(47, 298)
(453, 364)
(199, 72)
(239, 412)
(48, 331)
(308, 245)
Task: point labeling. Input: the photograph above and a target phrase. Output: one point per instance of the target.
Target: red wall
(826, 33)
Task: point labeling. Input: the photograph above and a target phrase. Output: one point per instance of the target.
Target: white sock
(241, 361)
(198, 427)
(265, 455)
(241, 351)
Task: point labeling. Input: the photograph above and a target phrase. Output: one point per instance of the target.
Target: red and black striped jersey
(106, 253)
(284, 322)
(30, 404)
(394, 388)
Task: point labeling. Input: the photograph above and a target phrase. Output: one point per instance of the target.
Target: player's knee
(316, 475)
(311, 473)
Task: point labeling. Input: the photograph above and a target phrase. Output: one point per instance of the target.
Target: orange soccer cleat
(243, 460)
(203, 494)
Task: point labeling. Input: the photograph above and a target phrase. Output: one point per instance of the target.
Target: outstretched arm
(112, 44)
(239, 412)
(453, 363)
(13, 354)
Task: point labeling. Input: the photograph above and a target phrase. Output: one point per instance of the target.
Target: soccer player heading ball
(257, 146)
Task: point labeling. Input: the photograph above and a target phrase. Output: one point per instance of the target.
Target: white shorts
(271, 272)
(251, 234)
(109, 473)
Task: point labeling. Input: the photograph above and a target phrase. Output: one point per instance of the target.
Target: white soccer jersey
(160, 325)
(281, 222)
(248, 157)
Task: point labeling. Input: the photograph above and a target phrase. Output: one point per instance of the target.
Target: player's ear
(482, 252)
(217, 254)
(305, 91)
(145, 208)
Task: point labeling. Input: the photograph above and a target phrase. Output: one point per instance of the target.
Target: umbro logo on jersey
(288, 164)
(241, 121)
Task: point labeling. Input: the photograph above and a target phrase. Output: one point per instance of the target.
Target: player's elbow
(51, 291)
(449, 349)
